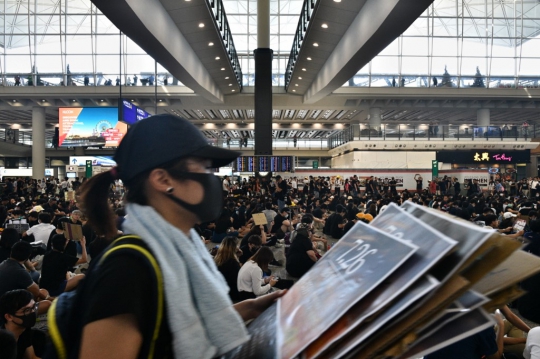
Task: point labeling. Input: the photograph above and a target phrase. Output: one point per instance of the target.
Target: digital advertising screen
(129, 113)
(90, 127)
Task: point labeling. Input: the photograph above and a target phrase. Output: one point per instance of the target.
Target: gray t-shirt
(13, 276)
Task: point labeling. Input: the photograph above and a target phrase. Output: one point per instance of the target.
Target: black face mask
(210, 206)
(28, 320)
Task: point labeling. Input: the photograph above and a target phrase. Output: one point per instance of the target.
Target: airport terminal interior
(441, 76)
(409, 92)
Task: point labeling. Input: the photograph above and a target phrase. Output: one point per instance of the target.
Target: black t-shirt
(298, 261)
(71, 247)
(246, 253)
(419, 184)
(54, 269)
(278, 221)
(230, 271)
(13, 276)
(281, 194)
(393, 184)
(318, 213)
(30, 338)
(115, 278)
(337, 232)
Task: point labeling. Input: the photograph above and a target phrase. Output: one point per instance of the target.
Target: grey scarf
(203, 322)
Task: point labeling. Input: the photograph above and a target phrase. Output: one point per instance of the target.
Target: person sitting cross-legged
(56, 265)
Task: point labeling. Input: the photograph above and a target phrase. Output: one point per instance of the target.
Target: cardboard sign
(72, 231)
(260, 219)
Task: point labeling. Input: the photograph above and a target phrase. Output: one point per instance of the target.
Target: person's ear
(160, 180)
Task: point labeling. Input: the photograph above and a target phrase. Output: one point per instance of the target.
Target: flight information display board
(264, 164)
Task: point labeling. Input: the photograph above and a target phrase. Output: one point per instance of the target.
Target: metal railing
(226, 37)
(303, 24)
(434, 132)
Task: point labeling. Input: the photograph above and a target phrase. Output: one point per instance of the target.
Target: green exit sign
(315, 164)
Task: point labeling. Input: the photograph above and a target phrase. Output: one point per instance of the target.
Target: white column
(263, 24)
(375, 118)
(38, 142)
(483, 117)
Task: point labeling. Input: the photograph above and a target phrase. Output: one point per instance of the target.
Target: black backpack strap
(60, 336)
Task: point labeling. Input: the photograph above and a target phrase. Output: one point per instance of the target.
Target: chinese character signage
(483, 156)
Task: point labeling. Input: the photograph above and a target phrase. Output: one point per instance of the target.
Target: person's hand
(520, 233)
(260, 304)
(273, 281)
(83, 241)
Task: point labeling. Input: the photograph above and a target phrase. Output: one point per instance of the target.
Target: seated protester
(8, 343)
(33, 219)
(75, 217)
(42, 231)
(18, 315)
(485, 344)
(301, 255)
(507, 222)
(13, 274)
(279, 219)
(336, 230)
(254, 242)
(9, 237)
(269, 213)
(56, 264)
(227, 263)
(533, 236)
(250, 282)
(256, 230)
(223, 227)
(71, 247)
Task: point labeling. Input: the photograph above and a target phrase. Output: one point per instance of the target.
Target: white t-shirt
(250, 279)
(41, 232)
(532, 347)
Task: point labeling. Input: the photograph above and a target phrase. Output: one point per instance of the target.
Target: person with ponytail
(165, 164)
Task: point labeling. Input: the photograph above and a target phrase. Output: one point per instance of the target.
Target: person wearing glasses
(18, 312)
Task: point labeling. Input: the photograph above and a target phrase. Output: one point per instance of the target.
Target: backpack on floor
(66, 314)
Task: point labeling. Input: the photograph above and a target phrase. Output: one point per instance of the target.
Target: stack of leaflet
(413, 281)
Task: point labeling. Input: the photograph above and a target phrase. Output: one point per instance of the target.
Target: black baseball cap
(160, 139)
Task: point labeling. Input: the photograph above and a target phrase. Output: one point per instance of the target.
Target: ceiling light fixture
(230, 84)
(201, 25)
(316, 44)
(299, 78)
(295, 84)
(309, 58)
(293, 90)
(226, 78)
(324, 26)
(304, 69)
(222, 69)
(217, 57)
(210, 44)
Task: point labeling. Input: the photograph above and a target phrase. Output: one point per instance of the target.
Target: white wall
(384, 160)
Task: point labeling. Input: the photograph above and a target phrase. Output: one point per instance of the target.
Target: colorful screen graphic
(90, 127)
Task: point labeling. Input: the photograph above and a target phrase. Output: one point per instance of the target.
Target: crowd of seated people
(304, 227)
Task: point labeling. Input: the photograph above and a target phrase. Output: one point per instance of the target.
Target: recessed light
(295, 84)
(324, 26)
(217, 57)
(230, 84)
(293, 90)
(304, 70)
(316, 44)
(226, 78)
(160, 100)
(201, 25)
(14, 100)
(337, 0)
(43, 100)
(100, 100)
(299, 78)
(222, 69)
(74, 100)
(309, 58)
(210, 44)
(233, 90)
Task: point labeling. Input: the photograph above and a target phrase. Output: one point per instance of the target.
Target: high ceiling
(222, 112)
